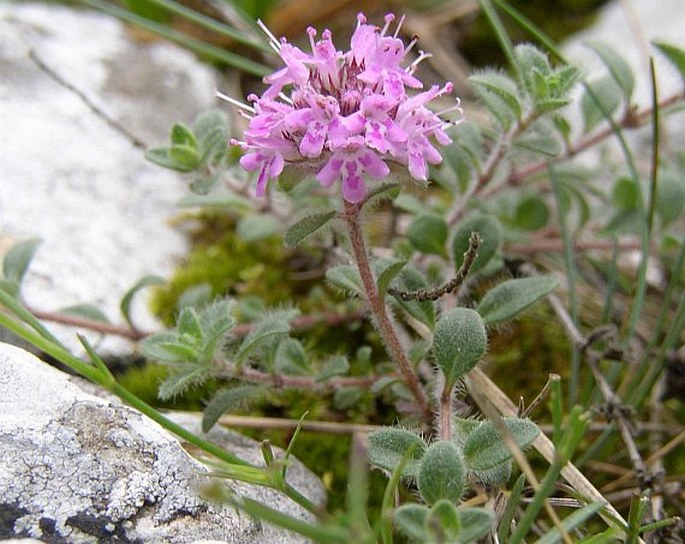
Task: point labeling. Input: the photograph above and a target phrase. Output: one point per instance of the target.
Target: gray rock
(77, 468)
(71, 178)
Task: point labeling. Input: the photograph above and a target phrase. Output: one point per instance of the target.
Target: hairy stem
(446, 414)
(380, 313)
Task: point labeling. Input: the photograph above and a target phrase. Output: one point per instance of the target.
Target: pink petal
(251, 161)
(353, 186)
(312, 143)
(374, 165)
(330, 172)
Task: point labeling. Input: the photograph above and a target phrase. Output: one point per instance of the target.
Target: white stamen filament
(273, 40)
(285, 98)
(422, 56)
(399, 26)
(389, 18)
(411, 44)
(235, 102)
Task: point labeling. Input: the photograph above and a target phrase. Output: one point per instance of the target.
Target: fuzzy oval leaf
(409, 279)
(443, 522)
(270, 328)
(489, 230)
(18, 258)
(459, 343)
(498, 475)
(410, 519)
(485, 449)
(386, 269)
(337, 365)
(428, 233)
(255, 227)
(511, 297)
(345, 277)
(618, 67)
(162, 157)
(475, 523)
(306, 226)
(86, 311)
(531, 213)
(442, 473)
(211, 131)
(605, 91)
(182, 135)
(501, 85)
(291, 358)
(389, 446)
(234, 398)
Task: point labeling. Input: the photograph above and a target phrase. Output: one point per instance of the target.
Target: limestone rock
(72, 179)
(77, 468)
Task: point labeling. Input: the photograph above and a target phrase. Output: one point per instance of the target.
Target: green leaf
(166, 347)
(511, 297)
(608, 93)
(462, 428)
(195, 296)
(86, 311)
(428, 233)
(409, 279)
(532, 60)
(410, 520)
(271, 327)
(162, 156)
(618, 67)
(215, 321)
(441, 473)
(204, 184)
(190, 376)
(291, 358)
(347, 397)
(495, 476)
(306, 226)
(571, 522)
(498, 84)
(675, 55)
(127, 299)
(233, 399)
(336, 365)
(255, 227)
(625, 194)
(211, 131)
(188, 324)
(184, 157)
(183, 135)
(539, 139)
(459, 343)
(443, 522)
(489, 230)
(485, 449)
(532, 213)
(670, 199)
(389, 445)
(475, 524)
(347, 278)
(18, 258)
(386, 269)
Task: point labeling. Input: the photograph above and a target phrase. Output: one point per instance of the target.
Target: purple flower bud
(345, 114)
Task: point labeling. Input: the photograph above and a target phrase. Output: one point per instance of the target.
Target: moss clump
(220, 259)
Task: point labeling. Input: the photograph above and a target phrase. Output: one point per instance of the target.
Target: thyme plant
(337, 137)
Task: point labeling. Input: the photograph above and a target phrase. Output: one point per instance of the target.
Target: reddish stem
(380, 313)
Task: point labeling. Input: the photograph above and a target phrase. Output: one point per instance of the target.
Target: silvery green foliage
(459, 343)
(442, 473)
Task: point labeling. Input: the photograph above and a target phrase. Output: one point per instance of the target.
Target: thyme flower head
(345, 115)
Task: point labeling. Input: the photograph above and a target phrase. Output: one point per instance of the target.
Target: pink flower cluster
(345, 115)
